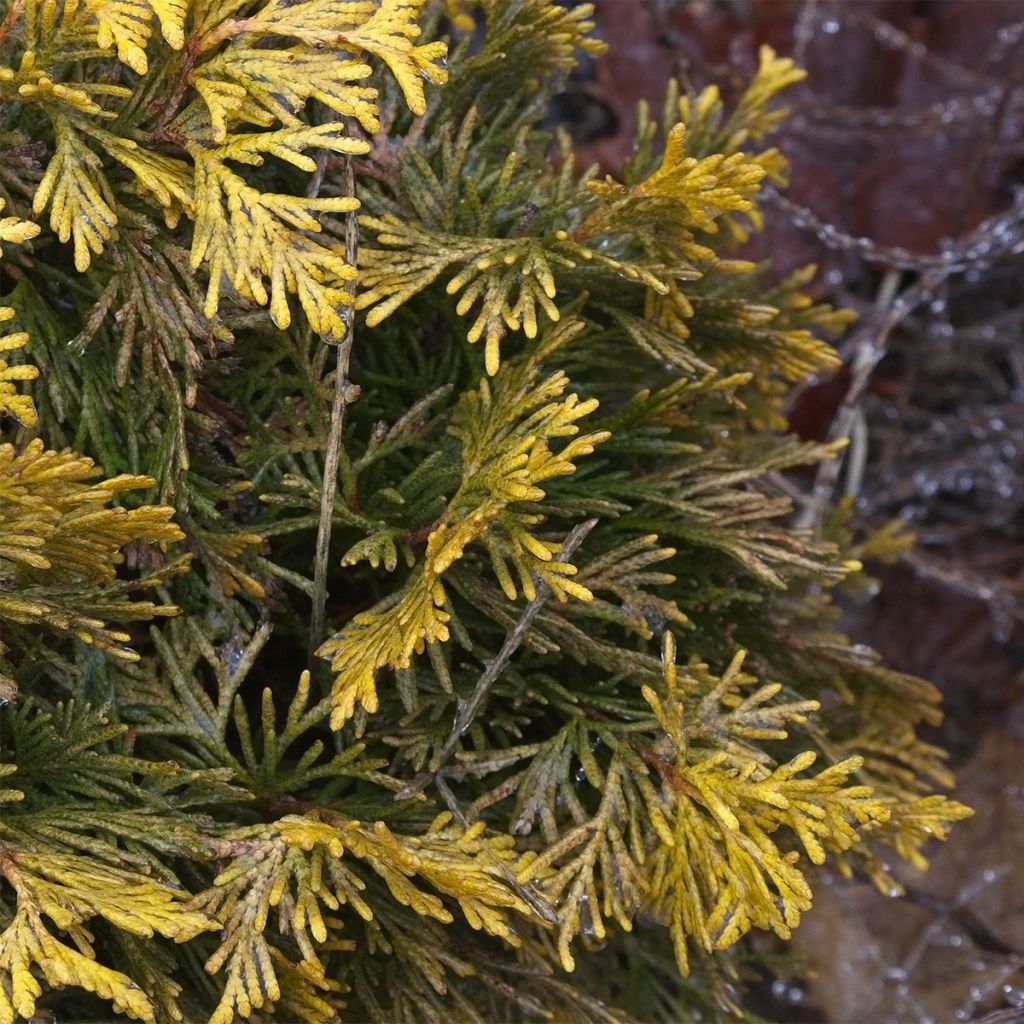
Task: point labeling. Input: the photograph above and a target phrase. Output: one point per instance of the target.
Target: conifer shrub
(432, 644)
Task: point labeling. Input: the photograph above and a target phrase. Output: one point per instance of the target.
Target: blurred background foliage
(907, 147)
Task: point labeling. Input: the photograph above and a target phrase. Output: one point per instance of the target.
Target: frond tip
(68, 891)
(254, 238)
(12, 402)
(15, 231)
(62, 544)
(311, 866)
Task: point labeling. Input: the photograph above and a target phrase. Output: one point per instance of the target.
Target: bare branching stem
(869, 349)
(513, 640)
(329, 486)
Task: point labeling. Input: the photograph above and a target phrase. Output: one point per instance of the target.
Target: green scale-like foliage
(355, 343)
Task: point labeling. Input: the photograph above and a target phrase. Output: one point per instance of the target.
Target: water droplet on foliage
(586, 918)
(231, 655)
(1014, 996)
(1002, 626)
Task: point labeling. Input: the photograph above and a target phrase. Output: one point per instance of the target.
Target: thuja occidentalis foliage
(433, 644)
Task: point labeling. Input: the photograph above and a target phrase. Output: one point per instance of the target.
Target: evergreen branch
(595, 792)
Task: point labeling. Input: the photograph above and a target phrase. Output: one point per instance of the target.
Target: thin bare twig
(967, 255)
(341, 397)
(869, 349)
(868, 352)
(513, 640)
(803, 30)
(893, 38)
(1000, 594)
(993, 132)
